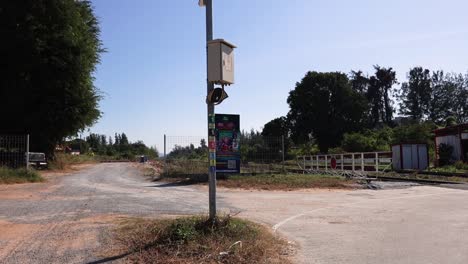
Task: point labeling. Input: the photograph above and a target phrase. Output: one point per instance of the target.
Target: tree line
(118, 147)
(332, 108)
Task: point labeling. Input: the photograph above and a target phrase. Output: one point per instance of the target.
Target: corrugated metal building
(410, 156)
(455, 136)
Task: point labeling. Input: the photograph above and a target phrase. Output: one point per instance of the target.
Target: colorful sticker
(212, 155)
(212, 145)
(211, 118)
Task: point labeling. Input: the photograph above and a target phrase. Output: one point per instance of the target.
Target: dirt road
(68, 219)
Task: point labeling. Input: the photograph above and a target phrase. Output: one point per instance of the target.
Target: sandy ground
(69, 218)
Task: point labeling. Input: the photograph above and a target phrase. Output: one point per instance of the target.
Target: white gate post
(377, 162)
(362, 161)
(303, 171)
(342, 161)
(326, 162)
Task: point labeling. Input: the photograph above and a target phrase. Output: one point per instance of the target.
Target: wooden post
(352, 157)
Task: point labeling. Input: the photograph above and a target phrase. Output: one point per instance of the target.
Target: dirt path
(68, 219)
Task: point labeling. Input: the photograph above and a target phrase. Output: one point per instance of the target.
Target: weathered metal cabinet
(221, 62)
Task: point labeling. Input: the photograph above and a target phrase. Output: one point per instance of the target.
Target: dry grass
(287, 182)
(11, 176)
(64, 161)
(197, 240)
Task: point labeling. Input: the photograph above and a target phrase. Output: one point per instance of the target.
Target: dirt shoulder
(34, 191)
(55, 173)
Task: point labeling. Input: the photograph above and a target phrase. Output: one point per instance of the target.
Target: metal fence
(13, 150)
(188, 155)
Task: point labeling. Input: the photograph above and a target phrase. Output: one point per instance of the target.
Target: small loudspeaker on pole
(216, 96)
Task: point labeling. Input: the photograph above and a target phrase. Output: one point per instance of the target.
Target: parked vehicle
(37, 160)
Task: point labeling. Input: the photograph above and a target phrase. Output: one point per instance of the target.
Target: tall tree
(116, 139)
(103, 140)
(449, 97)
(443, 93)
(461, 98)
(378, 95)
(277, 127)
(123, 139)
(324, 105)
(415, 95)
(94, 141)
(359, 82)
(49, 51)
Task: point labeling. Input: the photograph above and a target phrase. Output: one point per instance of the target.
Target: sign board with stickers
(227, 143)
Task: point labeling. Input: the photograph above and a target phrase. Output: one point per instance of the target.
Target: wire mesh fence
(13, 150)
(188, 155)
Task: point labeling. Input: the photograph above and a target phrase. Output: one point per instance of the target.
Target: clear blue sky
(153, 74)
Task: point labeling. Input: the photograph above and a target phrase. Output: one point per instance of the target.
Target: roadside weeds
(196, 239)
(12, 176)
(272, 182)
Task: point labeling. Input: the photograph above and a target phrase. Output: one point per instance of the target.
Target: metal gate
(14, 150)
(355, 162)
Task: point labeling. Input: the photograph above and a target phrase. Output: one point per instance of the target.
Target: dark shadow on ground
(175, 184)
(108, 259)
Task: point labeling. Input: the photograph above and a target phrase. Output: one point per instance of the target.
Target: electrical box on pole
(220, 62)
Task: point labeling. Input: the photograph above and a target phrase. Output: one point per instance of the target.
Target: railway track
(375, 177)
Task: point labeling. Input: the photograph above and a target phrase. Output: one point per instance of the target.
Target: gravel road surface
(68, 219)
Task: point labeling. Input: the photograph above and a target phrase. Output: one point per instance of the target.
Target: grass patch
(417, 176)
(10, 176)
(286, 182)
(458, 167)
(198, 240)
(179, 167)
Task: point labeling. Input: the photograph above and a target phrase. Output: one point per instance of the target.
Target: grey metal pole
(165, 157)
(164, 146)
(282, 149)
(211, 111)
(27, 152)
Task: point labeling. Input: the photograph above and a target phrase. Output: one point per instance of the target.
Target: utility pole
(211, 112)
(219, 70)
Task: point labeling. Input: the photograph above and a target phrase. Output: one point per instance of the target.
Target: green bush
(23, 175)
(459, 165)
(357, 142)
(421, 133)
